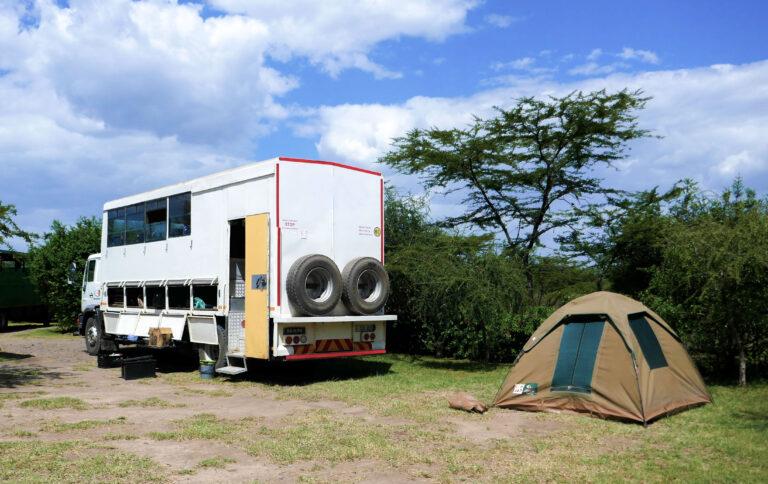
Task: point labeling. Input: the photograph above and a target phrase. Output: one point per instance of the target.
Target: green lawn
(720, 442)
(394, 417)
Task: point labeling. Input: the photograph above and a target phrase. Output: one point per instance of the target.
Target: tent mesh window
(577, 355)
(648, 342)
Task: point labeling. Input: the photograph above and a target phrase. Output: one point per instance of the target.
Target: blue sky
(102, 99)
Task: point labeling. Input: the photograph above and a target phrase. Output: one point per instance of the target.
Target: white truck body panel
(314, 208)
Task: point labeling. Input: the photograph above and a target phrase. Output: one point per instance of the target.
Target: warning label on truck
(365, 230)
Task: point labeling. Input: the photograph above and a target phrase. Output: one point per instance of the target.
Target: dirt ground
(61, 368)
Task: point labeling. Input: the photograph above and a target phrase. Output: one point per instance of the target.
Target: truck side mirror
(71, 273)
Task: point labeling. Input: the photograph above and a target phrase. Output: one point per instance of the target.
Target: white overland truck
(276, 260)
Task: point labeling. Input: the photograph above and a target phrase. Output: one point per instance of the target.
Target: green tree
(8, 228)
(49, 261)
(454, 294)
(622, 239)
(522, 171)
(713, 277)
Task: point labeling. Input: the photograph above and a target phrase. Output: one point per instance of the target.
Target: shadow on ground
(183, 360)
(11, 377)
(5, 356)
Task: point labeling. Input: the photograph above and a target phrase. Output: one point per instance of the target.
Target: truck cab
(91, 287)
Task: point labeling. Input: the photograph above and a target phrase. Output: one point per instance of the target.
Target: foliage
(521, 171)
(48, 263)
(8, 228)
(461, 295)
(713, 278)
(622, 238)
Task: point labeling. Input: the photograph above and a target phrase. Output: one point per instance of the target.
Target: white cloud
(595, 54)
(104, 98)
(643, 55)
(593, 68)
(339, 34)
(522, 64)
(501, 21)
(713, 121)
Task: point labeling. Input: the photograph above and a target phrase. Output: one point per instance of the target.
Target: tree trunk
(742, 363)
(742, 354)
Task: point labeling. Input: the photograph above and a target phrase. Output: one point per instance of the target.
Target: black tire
(3, 321)
(314, 285)
(93, 336)
(216, 353)
(366, 285)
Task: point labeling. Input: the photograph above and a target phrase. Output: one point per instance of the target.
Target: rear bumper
(339, 354)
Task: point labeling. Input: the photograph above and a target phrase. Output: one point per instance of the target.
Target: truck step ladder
(236, 364)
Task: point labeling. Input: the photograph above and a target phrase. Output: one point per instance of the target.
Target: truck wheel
(215, 353)
(314, 284)
(92, 336)
(365, 286)
(3, 321)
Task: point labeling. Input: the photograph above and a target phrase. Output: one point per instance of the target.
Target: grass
(55, 403)
(47, 333)
(150, 402)
(205, 426)
(216, 462)
(715, 442)
(19, 395)
(73, 462)
(59, 426)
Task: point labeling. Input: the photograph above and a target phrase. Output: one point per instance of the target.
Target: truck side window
(204, 297)
(155, 297)
(134, 224)
(116, 227)
(178, 297)
(134, 297)
(179, 219)
(115, 297)
(91, 271)
(156, 222)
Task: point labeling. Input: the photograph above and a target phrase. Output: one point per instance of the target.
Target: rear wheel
(3, 321)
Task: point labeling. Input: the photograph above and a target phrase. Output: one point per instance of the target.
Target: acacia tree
(522, 171)
(8, 228)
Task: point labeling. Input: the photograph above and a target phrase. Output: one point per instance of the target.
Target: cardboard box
(160, 337)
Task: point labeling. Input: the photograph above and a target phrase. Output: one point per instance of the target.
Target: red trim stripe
(331, 163)
(381, 227)
(335, 355)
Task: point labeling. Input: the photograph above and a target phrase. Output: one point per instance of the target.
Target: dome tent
(606, 355)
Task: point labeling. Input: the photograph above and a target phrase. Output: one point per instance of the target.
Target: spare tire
(365, 285)
(314, 284)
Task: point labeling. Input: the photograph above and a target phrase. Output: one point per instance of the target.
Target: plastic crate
(138, 367)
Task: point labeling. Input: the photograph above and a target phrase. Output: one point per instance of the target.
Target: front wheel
(92, 336)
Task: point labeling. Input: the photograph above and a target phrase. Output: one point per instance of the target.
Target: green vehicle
(18, 299)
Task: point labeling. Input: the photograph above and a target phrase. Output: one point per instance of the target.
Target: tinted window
(179, 209)
(134, 224)
(116, 227)
(91, 270)
(115, 297)
(178, 297)
(156, 220)
(648, 342)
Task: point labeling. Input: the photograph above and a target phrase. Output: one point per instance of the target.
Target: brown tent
(606, 355)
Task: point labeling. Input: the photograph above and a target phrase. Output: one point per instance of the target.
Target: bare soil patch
(127, 416)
